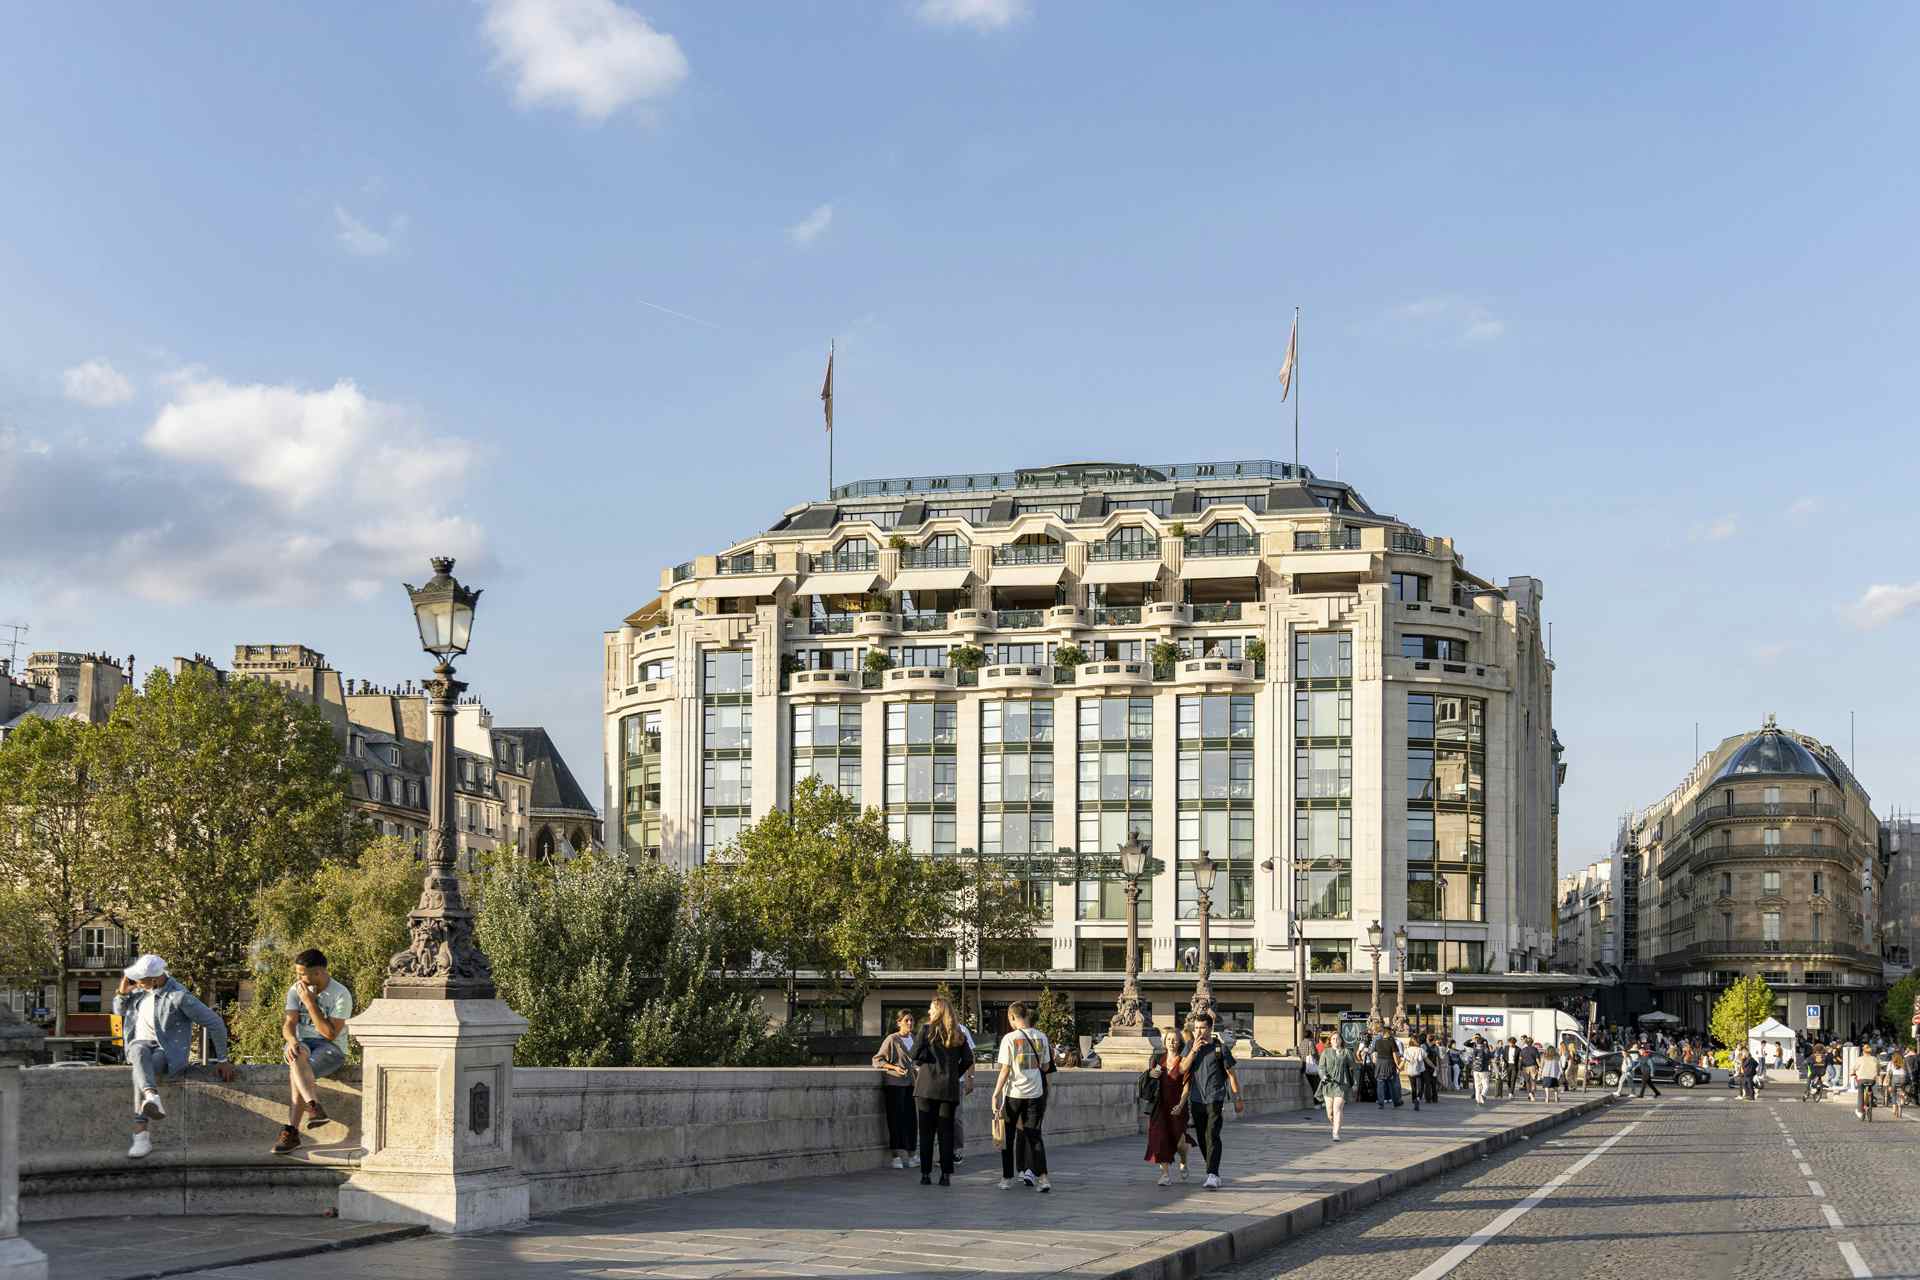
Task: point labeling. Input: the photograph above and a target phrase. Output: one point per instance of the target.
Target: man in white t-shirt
(315, 1031)
(1020, 1098)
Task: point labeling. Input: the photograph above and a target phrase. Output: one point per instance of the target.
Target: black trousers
(1646, 1083)
(1207, 1118)
(900, 1127)
(1024, 1148)
(936, 1120)
(1431, 1078)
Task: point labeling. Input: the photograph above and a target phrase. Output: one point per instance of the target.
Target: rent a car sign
(1483, 1019)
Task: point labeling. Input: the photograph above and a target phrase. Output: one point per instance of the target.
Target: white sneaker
(1006, 1184)
(1336, 1137)
(1045, 1186)
(1213, 1182)
(899, 1162)
(151, 1107)
(1026, 1176)
(142, 1146)
(1166, 1179)
(1183, 1173)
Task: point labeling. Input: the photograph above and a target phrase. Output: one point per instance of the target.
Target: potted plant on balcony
(796, 609)
(1256, 650)
(1178, 529)
(896, 543)
(1164, 655)
(967, 657)
(878, 661)
(1066, 658)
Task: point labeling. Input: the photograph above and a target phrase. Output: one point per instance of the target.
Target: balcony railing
(846, 562)
(1124, 615)
(1148, 550)
(1200, 545)
(1767, 947)
(1413, 543)
(1217, 612)
(745, 564)
(1021, 619)
(107, 958)
(1030, 553)
(834, 624)
(1705, 854)
(681, 572)
(936, 558)
(1326, 539)
(933, 621)
(1781, 809)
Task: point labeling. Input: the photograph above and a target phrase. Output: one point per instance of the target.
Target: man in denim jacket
(157, 1016)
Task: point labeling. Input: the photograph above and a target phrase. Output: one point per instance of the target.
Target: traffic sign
(1444, 987)
(1813, 1017)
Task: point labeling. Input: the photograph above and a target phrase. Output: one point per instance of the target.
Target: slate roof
(554, 786)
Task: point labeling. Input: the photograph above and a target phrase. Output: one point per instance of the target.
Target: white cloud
(1464, 319)
(242, 492)
(1715, 530)
(357, 237)
(981, 15)
(594, 56)
(1884, 602)
(1801, 508)
(809, 228)
(97, 384)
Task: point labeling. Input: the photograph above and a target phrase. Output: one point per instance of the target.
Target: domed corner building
(1765, 860)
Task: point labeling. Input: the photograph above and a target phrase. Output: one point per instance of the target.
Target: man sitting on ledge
(315, 1030)
(156, 1020)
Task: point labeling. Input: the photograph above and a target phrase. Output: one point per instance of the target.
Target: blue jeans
(149, 1063)
(1389, 1088)
(323, 1056)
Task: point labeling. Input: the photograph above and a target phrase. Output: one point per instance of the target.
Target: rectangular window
(1770, 883)
(1726, 884)
(1420, 716)
(1323, 655)
(1726, 926)
(1435, 955)
(727, 726)
(1817, 935)
(1770, 837)
(1770, 926)
(727, 783)
(1326, 713)
(916, 724)
(1409, 586)
(1323, 895)
(1329, 955)
(1016, 721)
(726, 671)
(1818, 887)
(1433, 648)
(1323, 772)
(924, 833)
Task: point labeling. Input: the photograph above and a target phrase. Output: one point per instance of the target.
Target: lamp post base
(1129, 1051)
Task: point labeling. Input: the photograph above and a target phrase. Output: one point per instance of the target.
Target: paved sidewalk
(136, 1248)
(1105, 1218)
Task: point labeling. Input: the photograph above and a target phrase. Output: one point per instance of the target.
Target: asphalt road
(1695, 1184)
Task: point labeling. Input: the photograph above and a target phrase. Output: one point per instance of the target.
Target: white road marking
(1806, 1170)
(1855, 1263)
(1817, 1190)
(1453, 1257)
(1833, 1216)
(1796, 1153)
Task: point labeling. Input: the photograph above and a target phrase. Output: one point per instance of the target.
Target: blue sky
(293, 295)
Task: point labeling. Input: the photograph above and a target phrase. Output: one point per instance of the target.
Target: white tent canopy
(1769, 1032)
(1658, 1017)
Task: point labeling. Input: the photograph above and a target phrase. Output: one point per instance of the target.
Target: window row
(922, 780)
(916, 724)
(1216, 716)
(826, 725)
(1445, 717)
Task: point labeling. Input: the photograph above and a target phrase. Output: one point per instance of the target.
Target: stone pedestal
(437, 1116)
(18, 1259)
(1126, 1052)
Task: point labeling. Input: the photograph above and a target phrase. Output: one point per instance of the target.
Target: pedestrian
(1510, 1068)
(942, 1062)
(966, 1087)
(1629, 1068)
(1644, 1071)
(1750, 1069)
(1482, 1061)
(315, 1032)
(1897, 1081)
(1436, 1065)
(1167, 1123)
(1456, 1062)
(1866, 1071)
(1414, 1058)
(1336, 1081)
(1020, 1099)
(1529, 1058)
(157, 1017)
(1386, 1068)
(1550, 1072)
(1210, 1066)
(895, 1062)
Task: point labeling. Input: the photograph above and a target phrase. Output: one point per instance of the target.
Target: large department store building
(1343, 716)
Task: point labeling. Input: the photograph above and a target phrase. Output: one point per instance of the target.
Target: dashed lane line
(1806, 1170)
(1819, 1192)
(1833, 1216)
(1855, 1263)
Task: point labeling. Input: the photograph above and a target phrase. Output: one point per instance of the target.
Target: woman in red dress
(1167, 1132)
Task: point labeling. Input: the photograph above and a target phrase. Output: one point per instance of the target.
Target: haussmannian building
(1319, 695)
(1765, 859)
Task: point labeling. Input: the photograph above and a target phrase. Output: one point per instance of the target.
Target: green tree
(1898, 1008)
(1053, 1014)
(995, 910)
(1740, 1008)
(212, 792)
(822, 887)
(54, 858)
(356, 912)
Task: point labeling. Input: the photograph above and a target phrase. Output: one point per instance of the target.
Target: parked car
(1665, 1070)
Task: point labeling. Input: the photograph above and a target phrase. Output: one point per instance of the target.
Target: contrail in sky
(681, 314)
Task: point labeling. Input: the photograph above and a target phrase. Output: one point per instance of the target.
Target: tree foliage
(211, 793)
(356, 912)
(1053, 1014)
(1740, 1008)
(1897, 1010)
(994, 910)
(821, 886)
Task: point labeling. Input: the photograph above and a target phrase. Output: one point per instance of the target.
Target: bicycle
(1865, 1105)
(1816, 1087)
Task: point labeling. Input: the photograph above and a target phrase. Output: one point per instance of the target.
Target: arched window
(543, 845)
(1225, 538)
(849, 554)
(941, 551)
(1129, 542)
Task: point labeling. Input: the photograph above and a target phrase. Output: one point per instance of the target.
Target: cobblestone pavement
(1696, 1184)
(1105, 1213)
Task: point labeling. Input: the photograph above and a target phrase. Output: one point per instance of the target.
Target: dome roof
(1773, 753)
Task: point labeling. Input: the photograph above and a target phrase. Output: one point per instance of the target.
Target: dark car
(1665, 1070)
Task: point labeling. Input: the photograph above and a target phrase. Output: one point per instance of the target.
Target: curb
(1220, 1249)
(389, 1236)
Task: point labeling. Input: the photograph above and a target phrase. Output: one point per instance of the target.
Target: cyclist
(1817, 1073)
(1866, 1070)
(1897, 1076)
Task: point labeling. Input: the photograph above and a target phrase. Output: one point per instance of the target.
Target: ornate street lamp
(1130, 1017)
(1204, 872)
(442, 960)
(1373, 1004)
(1400, 981)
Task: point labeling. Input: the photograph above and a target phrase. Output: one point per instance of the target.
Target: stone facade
(1588, 920)
(1351, 722)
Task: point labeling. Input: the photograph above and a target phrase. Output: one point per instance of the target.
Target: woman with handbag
(941, 1060)
(895, 1062)
(1020, 1100)
(1167, 1123)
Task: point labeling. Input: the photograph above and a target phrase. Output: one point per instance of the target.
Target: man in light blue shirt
(157, 1017)
(315, 1030)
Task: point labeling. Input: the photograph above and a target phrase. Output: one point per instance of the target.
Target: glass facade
(826, 745)
(1115, 791)
(1016, 777)
(922, 775)
(640, 792)
(1446, 807)
(726, 747)
(1215, 796)
(1323, 774)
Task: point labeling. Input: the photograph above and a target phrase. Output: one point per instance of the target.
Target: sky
(292, 297)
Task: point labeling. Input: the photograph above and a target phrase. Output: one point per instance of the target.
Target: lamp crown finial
(441, 564)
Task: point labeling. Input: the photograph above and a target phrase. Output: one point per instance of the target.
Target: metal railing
(1326, 539)
(1766, 946)
(1201, 545)
(1021, 619)
(1124, 615)
(934, 621)
(1721, 812)
(681, 572)
(834, 624)
(936, 558)
(1030, 553)
(1147, 550)
(845, 562)
(1217, 612)
(745, 564)
(1412, 542)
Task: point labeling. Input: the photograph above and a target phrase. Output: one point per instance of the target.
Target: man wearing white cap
(157, 1015)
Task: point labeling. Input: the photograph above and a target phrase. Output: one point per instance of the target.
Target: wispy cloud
(593, 56)
(356, 237)
(1461, 318)
(1882, 603)
(1772, 652)
(97, 385)
(979, 15)
(811, 227)
(1803, 507)
(1714, 530)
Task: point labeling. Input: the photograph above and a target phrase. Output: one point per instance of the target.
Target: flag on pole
(1286, 366)
(826, 392)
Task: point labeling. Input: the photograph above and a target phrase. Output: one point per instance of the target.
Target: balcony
(1111, 674)
(1016, 676)
(1765, 947)
(936, 558)
(1229, 612)
(1210, 670)
(102, 958)
(1782, 809)
(1020, 619)
(1066, 615)
(1169, 614)
(1030, 553)
(1199, 546)
(921, 678)
(1126, 615)
(1326, 539)
(927, 621)
(1102, 552)
(815, 680)
(744, 565)
(971, 619)
(1708, 854)
(834, 624)
(877, 624)
(1412, 542)
(681, 572)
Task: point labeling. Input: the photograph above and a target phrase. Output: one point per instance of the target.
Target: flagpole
(1296, 393)
(831, 352)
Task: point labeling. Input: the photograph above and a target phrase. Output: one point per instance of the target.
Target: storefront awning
(1027, 575)
(1121, 570)
(839, 584)
(1220, 567)
(746, 584)
(931, 579)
